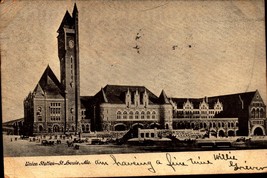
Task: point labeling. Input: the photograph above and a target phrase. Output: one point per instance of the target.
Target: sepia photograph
(132, 88)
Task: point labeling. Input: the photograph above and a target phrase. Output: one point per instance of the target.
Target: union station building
(56, 107)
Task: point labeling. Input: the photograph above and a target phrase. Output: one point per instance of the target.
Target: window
(39, 113)
(131, 115)
(253, 113)
(153, 115)
(147, 135)
(136, 115)
(124, 115)
(261, 113)
(142, 115)
(142, 135)
(118, 115)
(148, 115)
(83, 114)
(40, 128)
(152, 135)
(87, 128)
(55, 111)
(257, 113)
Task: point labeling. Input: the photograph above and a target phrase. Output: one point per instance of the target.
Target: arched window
(253, 114)
(205, 125)
(219, 124)
(261, 114)
(229, 124)
(118, 115)
(148, 115)
(131, 115)
(232, 124)
(40, 128)
(214, 125)
(83, 128)
(223, 124)
(142, 115)
(56, 128)
(257, 113)
(153, 115)
(201, 125)
(136, 115)
(124, 115)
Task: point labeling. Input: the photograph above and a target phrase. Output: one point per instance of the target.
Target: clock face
(71, 43)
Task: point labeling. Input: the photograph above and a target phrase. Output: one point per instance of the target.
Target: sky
(188, 48)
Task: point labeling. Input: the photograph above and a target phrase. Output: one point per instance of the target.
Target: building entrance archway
(120, 127)
(258, 131)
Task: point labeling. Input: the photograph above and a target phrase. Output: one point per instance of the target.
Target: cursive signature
(246, 167)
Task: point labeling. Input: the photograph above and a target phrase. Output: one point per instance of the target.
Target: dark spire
(75, 9)
(67, 20)
(163, 99)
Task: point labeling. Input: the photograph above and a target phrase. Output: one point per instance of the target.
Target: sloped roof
(10, 123)
(163, 99)
(49, 84)
(115, 94)
(67, 20)
(233, 104)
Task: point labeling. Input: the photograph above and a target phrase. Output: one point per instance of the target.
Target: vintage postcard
(132, 88)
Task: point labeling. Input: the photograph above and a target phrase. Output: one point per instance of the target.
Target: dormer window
(188, 105)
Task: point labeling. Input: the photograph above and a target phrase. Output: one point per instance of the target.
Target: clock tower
(68, 53)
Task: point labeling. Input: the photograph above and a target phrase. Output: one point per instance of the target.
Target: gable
(49, 85)
(257, 100)
(38, 91)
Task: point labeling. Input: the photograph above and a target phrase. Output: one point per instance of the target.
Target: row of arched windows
(136, 115)
(257, 113)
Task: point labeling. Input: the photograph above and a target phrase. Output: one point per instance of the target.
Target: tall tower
(68, 53)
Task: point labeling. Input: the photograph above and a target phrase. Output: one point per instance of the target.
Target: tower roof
(67, 20)
(75, 9)
(163, 98)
